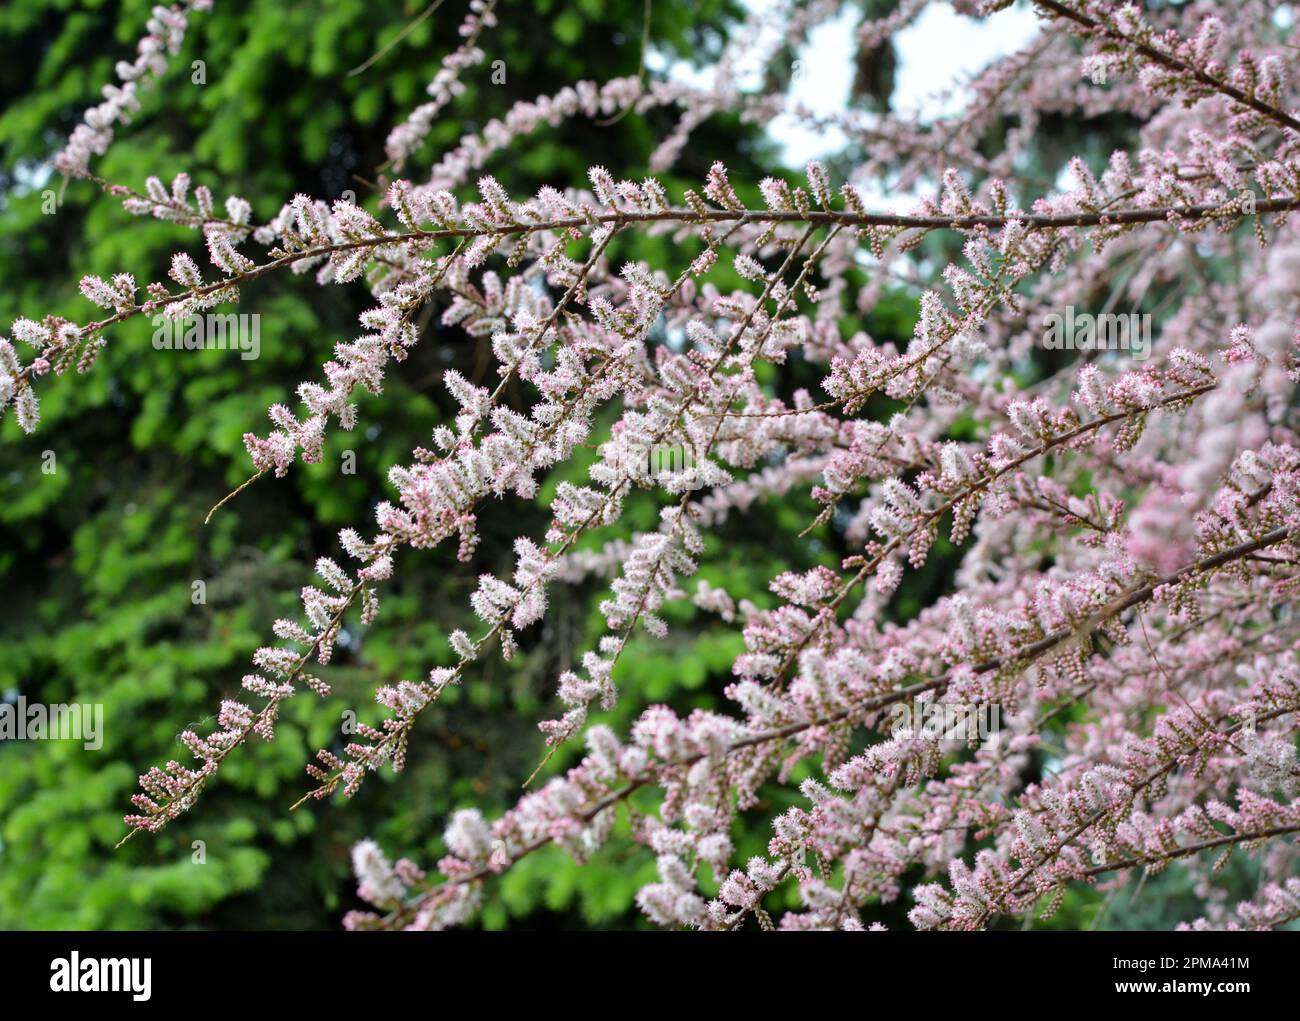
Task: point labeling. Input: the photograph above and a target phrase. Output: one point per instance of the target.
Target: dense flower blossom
(1128, 529)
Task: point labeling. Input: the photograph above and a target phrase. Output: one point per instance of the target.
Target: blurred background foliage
(98, 560)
